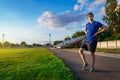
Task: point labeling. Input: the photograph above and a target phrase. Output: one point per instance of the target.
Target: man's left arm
(103, 29)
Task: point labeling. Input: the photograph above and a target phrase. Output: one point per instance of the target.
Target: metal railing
(69, 42)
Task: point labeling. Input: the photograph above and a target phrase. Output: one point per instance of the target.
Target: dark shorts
(89, 45)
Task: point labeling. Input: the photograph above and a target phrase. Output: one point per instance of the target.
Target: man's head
(90, 16)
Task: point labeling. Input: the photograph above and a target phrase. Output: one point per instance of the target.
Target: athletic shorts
(89, 45)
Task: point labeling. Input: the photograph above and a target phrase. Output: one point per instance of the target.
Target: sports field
(32, 64)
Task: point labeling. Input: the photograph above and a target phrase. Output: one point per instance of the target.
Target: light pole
(3, 35)
(50, 39)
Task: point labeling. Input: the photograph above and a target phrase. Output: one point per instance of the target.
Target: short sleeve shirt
(92, 28)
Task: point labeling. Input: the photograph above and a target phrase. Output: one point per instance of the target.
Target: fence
(109, 44)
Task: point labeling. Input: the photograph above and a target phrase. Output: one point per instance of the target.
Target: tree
(77, 34)
(57, 42)
(67, 38)
(48, 45)
(110, 16)
(105, 36)
(17, 45)
(36, 45)
(23, 43)
(1, 45)
(7, 44)
(117, 10)
(14, 45)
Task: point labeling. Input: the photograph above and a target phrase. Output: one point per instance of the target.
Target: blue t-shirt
(92, 28)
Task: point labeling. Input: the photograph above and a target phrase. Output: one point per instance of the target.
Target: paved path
(107, 68)
(99, 53)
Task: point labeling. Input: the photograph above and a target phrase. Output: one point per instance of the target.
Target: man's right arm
(85, 31)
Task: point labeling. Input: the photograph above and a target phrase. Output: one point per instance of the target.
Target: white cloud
(102, 11)
(83, 25)
(95, 4)
(75, 24)
(53, 20)
(98, 2)
(82, 1)
(80, 4)
(76, 7)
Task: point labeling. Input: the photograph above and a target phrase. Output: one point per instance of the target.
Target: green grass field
(32, 64)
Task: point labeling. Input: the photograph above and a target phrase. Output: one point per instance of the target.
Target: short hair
(90, 13)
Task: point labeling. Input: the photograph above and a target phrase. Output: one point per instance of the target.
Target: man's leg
(82, 55)
(81, 52)
(93, 58)
(92, 49)
(93, 62)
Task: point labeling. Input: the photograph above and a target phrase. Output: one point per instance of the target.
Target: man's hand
(85, 32)
(96, 34)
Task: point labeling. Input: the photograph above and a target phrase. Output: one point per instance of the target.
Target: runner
(90, 43)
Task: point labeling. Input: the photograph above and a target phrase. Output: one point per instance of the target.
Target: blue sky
(33, 20)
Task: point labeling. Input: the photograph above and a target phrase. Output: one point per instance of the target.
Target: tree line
(8, 44)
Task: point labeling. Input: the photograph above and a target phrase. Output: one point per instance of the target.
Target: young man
(90, 43)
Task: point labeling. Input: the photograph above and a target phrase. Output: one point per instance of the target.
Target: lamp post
(50, 39)
(3, 35)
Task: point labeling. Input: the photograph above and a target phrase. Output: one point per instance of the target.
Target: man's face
(90, 17)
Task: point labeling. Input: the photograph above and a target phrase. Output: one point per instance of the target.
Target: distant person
(90, 43)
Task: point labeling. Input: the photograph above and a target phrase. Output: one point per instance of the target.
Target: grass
(114, 51)
(32, 64)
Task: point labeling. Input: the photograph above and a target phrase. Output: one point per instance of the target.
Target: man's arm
(103, 29)
(85, 31)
